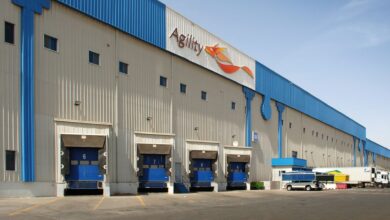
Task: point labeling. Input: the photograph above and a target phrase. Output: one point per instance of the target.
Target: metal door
(84, 170)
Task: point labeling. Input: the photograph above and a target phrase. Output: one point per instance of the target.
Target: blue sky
(338, 50)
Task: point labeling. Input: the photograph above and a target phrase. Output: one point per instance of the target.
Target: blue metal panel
(297, 162)
(377, 149)
(84, 170)
(237, 175)
(249, 94)
(154, 174)
(299, 176)
(282, 90)
(202, 175)
(27, 122)
(144, 19)
(266, 110)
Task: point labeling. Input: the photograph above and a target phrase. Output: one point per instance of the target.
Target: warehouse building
(128, 94)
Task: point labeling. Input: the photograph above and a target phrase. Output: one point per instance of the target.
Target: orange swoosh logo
(224, 61)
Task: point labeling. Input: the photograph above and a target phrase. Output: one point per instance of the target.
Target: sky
(338, 50)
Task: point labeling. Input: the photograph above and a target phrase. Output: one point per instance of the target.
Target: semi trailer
(361, 176)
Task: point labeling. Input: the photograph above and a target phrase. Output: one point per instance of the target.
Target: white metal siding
(9, 91)
(66, 76)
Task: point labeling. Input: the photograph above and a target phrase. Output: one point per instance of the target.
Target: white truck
(361, 176)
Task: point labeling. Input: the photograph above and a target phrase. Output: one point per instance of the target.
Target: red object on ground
(341, 186)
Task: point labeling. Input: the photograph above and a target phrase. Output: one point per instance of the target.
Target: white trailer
(361, 176)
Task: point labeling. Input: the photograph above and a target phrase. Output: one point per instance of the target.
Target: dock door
(238, 170)
(83, 161)
(154, 166)
(202, 168)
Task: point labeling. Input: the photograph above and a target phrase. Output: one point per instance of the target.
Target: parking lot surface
(337, 204)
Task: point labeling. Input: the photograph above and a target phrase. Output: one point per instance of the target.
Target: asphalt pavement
(349, 204)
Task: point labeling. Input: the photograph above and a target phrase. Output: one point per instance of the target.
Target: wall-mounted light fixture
(77, 103)
(233, 136)
(196, 129)
(149, 118)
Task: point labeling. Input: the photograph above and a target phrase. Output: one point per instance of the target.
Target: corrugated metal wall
(213, 119)
(267, 148)
(140, 18)
(377, 148)
(320, 144)
(270, 83)
(140, 96)
(66, 76)
(382, 162)
(9, 91)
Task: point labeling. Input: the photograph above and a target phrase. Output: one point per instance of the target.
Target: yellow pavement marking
(141, 200)
(99, 203)
(20, 211)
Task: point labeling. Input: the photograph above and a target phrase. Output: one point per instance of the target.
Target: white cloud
(371, 35)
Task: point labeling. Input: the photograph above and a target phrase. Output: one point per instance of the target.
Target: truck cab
(381, 178)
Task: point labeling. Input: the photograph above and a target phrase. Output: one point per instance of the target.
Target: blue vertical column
(27, 96)
(249, 94)
(280, 107)
(27, 123)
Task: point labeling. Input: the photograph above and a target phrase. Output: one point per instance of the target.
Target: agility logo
(224, 62)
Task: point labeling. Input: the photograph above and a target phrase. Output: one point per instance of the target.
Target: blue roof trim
(144, 19)
(271, 84)
(377, 149)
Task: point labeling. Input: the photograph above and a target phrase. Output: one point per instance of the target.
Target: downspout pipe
(249, 95)
(27, 77)
(280, 107)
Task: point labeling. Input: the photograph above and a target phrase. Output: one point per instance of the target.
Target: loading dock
(202, 168)
(236, 167)
(153, 166)
(201, 164)
(83, 161)
(238, 170)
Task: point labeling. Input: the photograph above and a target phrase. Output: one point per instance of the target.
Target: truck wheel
(308, 188)
(289, 188)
